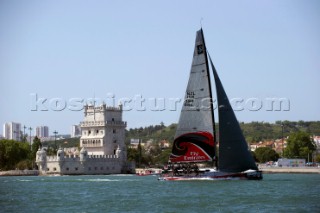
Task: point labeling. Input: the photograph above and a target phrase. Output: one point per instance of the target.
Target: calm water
(129, 193)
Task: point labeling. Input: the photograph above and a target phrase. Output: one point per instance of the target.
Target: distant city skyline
(12, 131)
(42, 131)
(55, 56)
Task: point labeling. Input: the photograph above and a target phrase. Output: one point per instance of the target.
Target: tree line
(253, 131)
(20, 155)
(300, 145)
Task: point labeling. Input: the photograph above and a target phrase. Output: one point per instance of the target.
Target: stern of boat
(254, 175)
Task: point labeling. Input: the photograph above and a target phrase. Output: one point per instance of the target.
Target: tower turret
(41, 159)
(83, 154)
(60, 154)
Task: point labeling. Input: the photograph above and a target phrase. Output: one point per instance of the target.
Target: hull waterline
(216, 175)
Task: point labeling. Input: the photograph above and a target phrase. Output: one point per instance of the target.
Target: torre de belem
(102, 145)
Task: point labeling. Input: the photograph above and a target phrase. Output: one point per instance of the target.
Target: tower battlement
(103, 149)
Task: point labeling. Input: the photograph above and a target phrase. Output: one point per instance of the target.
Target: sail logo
(200, 49)
(189, 101)
(194, 158)
(194, 153)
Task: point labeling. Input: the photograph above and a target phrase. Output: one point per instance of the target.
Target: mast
(215, 160)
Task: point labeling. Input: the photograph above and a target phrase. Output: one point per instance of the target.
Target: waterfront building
(134, 143)
(42, 131)
(277, 145)
(12, 131)
(102, 145)
(164, 144)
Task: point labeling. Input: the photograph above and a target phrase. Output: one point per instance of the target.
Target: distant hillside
(64, 143)
(253, 132)
(157, 133)
(260, 131)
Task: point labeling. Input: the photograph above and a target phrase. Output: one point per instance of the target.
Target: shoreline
(266, 170)
(19, 173)
(297, 170)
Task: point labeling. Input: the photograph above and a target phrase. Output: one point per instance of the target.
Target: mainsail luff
(234, 155)
(215, 159)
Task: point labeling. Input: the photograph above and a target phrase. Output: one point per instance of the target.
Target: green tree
(155, 150)
(24, 164)
(163, 158)
(35, 146)
(265, 154)
(299, 145)
(132, 154)
(11, 153)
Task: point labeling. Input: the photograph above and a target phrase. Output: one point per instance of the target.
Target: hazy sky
(68, 51)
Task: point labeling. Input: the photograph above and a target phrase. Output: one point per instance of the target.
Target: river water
(130, 193)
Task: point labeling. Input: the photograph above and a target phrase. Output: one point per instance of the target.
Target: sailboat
(195, 141)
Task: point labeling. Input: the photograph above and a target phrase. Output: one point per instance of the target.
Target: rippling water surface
(130, 193)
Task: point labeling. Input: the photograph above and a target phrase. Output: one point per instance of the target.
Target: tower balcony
(91, 123)
(116, 123)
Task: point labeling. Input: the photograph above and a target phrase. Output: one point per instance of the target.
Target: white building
(75, 131)
(103, 149)
(42, 131)
(12, 131)
(284, 162)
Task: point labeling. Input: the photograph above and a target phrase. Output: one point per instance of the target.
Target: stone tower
(103, 149)
(102, 130)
